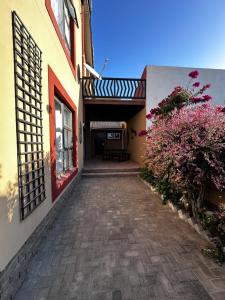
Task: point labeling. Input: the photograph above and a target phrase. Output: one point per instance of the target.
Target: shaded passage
(114, 240)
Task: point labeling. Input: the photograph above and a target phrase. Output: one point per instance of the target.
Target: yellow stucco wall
(34, 15)
(136, 146)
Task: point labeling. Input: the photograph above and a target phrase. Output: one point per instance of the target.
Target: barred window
(28, 103)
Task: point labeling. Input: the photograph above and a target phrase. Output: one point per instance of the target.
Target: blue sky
(135, 33)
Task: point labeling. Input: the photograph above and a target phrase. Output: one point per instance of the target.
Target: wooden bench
(116, 154)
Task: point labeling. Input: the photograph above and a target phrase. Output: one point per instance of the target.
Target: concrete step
(110, 170)
(111, 174)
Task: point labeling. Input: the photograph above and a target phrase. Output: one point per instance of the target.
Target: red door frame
(56, 88)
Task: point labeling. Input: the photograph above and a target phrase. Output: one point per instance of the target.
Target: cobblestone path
(114, 240)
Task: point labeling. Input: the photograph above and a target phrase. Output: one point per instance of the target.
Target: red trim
(73, 43)
(71, 59)
(55, 87)
(83, 55)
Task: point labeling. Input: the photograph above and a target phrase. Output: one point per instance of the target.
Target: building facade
(43, 45)
(53, 114)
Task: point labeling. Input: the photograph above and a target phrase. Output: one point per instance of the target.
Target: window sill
(62, 182)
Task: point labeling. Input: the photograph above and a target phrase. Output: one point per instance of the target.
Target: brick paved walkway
(114, 240)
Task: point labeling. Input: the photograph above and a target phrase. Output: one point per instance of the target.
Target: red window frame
(71, 59)
(83, 29)
(56, 88)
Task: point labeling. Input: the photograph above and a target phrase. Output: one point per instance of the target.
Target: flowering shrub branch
(181, 97)
(188, 149)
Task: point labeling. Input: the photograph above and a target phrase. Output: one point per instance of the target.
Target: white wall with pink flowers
(162, 80)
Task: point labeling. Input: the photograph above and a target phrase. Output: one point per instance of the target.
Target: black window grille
(28, 103)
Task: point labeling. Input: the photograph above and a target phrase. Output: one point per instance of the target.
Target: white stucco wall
(162, 80)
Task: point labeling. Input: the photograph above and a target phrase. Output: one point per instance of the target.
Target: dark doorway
(99, 139)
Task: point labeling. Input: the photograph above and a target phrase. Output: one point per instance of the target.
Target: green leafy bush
(168, 191)
(163, 186)
(147, 175)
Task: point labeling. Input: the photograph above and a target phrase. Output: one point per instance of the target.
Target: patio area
(114, 240)
(98, 164)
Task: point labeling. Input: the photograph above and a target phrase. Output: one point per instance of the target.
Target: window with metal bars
(28, 103)
(64, 138)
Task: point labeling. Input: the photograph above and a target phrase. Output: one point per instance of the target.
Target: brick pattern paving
(115, 241)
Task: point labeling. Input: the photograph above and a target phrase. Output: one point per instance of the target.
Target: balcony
(113, 88)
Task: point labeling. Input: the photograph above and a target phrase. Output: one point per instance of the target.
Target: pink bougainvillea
(207, 97)
(186, 141)
(196, 84)
(193, 74)
(180, 97)
(189, 147)
(142, 133)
